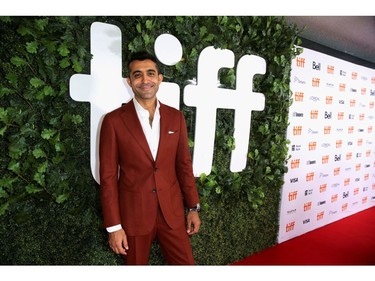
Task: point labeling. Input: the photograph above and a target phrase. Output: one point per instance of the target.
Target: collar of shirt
(143, 113)
(152, 133)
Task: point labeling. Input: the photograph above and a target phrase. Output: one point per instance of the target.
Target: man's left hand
(193, 222)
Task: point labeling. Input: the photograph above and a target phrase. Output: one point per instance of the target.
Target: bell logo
(106, 89)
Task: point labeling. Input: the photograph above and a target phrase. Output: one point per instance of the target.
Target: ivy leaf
(76, 119)
(81, 51)
(63, 50)
(17, 61)
(5, 19)
(3, 130)
(14, 166)
(147, 39)
(218, 190)
(58, 159)
(61, 198)
(191, 143)
(50, 60)
(4, 115)
(39, 153)
(202, 31)
(42, 168)
(12, 78)
(64, 63)
(5, 91)
(23, 30)
(51, 45)
(77, 66)
(4, 208)
(48, 91)
(31, 189)
(48, 133)
(3, 193)
(268, 170)
(32, 47)
(59, 147)
(149, 24)
(41, 24)
(40, 178)
(7, 182)
(36, 82)
(17, 148)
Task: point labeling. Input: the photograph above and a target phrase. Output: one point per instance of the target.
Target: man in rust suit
(147, 185)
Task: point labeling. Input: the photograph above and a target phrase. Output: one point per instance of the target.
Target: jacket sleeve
(184, 168)
(108, 170)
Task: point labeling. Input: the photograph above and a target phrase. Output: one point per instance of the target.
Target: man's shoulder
(169, 109)
(119, 110)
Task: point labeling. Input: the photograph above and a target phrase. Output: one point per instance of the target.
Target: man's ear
(160, 78)
(128, 80)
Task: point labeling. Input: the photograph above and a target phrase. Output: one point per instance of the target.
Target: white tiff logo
(106, 89)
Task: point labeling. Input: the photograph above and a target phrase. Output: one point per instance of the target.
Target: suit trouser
(174, 243)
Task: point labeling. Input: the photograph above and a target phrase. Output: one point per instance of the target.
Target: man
(146, 177)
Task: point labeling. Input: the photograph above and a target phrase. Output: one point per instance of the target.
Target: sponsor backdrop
(332, 143)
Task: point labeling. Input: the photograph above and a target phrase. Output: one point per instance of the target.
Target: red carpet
(349, 241)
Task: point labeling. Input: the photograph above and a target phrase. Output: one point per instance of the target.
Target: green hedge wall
(49, 203)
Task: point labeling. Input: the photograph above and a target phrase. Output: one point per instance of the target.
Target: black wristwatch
(197, 208)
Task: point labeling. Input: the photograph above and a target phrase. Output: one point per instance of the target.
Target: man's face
(144, 79)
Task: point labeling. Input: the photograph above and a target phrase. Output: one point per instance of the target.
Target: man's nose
(144, 78)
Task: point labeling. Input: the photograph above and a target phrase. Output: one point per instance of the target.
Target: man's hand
(193, 222)
(118, 242)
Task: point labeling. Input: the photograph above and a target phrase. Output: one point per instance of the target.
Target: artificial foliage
(49, 202)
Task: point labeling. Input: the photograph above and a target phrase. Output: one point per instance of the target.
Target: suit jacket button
(154, 190)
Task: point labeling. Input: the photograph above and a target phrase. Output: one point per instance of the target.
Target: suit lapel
(131, 121)
(164, 125)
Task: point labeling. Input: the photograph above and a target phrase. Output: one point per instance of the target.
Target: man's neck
(150, 106)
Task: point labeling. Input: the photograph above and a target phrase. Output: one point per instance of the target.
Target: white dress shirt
(152, 134)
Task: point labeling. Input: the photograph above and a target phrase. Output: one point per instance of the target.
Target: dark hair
(141, 56)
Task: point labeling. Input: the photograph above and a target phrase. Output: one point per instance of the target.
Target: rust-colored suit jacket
(132, 184)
